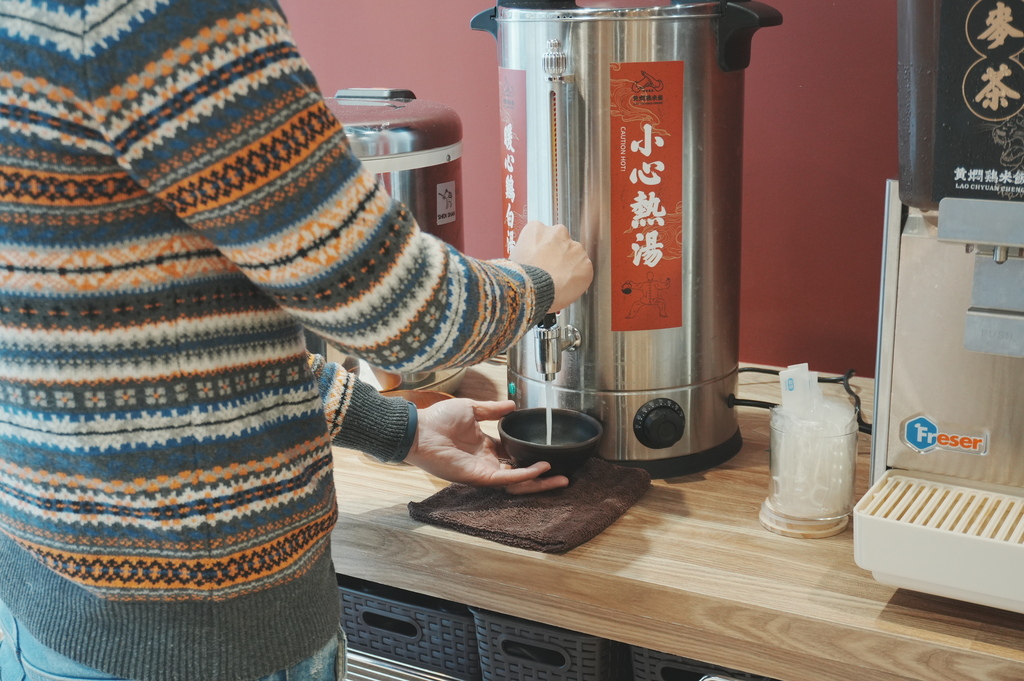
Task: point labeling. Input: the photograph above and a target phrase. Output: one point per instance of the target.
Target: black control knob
(659, 423)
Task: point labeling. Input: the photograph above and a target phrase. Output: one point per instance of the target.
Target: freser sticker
(925, 435)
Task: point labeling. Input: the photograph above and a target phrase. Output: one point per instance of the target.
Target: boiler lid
(382, 122)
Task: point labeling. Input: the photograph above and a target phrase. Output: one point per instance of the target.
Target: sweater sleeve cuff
(544, 291)
(383, 427)
(410, 434)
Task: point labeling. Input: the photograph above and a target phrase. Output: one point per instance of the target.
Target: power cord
(862, 425)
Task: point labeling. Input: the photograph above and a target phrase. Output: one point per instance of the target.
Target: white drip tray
(943, 536)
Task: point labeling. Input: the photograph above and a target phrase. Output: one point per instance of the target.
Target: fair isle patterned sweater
(175, 199)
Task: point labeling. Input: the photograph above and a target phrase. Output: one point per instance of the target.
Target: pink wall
(820, 142)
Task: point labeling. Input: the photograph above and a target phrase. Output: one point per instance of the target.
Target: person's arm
(227, 129)
(359, 417)
(247, 154)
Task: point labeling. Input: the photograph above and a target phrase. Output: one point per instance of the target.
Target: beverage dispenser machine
(945, 513)
(626, 125)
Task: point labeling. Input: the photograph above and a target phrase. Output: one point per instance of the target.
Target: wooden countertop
(688, 571)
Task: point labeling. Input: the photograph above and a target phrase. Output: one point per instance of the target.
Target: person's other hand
(450, 444)
(554, 251)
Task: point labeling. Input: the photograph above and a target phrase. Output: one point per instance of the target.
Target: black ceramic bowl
(574, 437)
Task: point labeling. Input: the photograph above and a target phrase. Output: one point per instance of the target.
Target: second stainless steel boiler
(626, 125)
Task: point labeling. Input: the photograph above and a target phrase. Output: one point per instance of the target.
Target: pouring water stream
(549, 398)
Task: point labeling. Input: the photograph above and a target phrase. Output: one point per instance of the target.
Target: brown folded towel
(550, 522)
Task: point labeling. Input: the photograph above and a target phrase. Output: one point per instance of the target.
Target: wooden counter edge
(750, 638)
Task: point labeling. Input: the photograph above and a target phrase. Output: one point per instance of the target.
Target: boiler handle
(736, 29)
(485, 21)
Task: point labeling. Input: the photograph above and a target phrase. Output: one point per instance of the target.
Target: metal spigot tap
(552, 339)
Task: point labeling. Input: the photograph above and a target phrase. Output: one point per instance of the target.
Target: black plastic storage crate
(650, 665)
(421, 631)
(513, 649)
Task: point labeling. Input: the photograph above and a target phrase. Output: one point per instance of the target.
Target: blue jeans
(23, 658)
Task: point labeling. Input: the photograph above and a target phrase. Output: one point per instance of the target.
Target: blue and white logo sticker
(925, 435)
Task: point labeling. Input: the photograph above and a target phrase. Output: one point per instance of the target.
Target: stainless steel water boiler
(414, 146)
(626, 125)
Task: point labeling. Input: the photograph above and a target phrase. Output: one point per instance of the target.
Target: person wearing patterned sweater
(176, 205)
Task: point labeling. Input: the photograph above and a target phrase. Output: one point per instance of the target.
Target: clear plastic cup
(813, 469)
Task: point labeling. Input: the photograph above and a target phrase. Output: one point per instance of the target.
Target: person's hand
(450, 444)
(554, 251)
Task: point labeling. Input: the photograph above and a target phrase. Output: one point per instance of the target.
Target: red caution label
(513, 153)
(646, 195)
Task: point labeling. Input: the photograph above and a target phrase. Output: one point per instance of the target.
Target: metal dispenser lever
(552, 340)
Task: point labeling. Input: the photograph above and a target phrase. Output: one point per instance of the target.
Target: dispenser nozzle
(552, 339)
